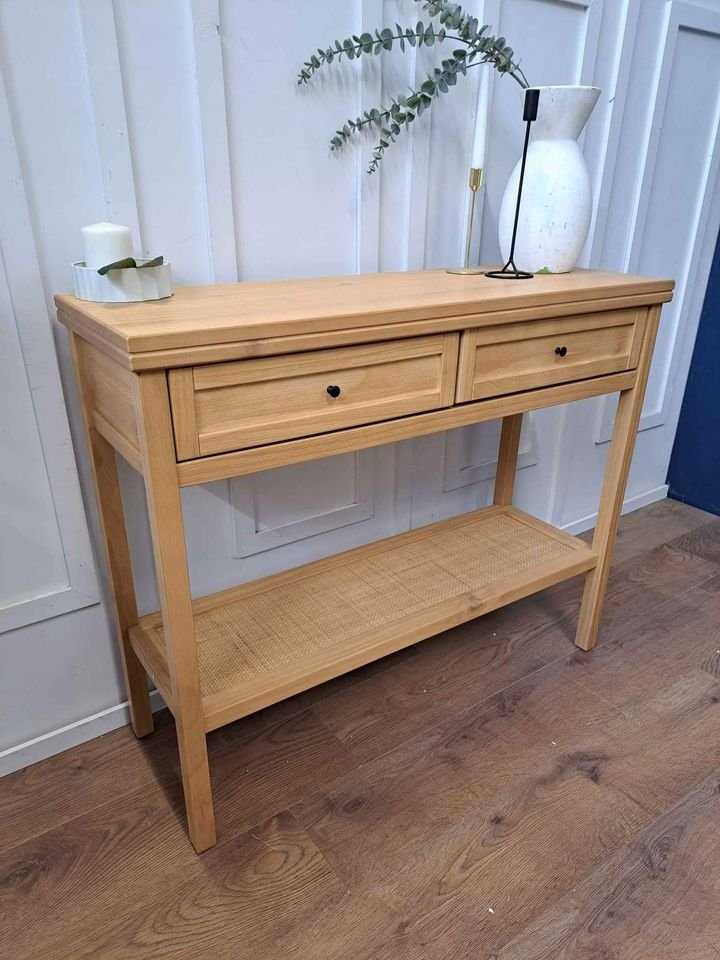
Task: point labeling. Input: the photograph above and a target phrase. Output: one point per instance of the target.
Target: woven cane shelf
(267, 640)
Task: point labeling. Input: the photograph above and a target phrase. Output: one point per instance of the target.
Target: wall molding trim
(643, 499)
(250, 539)
(70, 735)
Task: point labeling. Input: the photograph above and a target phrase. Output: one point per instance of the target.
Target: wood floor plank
(473, 662)
(69, 784)
(655, 898)
(432, 806)
(137, 841)
(635, 587)
(538, 751)
(550, 815)
(497, 836)
(674, 741)
(674, 640)
(468, 886)
(394, 799)
(46, 794)
(702, 541)
(228, 904)
(460, 668)
(652, 526)
(125, 848)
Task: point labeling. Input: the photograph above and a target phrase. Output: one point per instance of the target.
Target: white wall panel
(278, 507)
(184, 120)
(668, 237)
(46, 563)
(108, 113)
(32, 562)
(295, 204)
(167, 159)
(210, 117)
(663, 215)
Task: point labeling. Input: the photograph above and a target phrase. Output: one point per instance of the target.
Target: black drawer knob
(561, 351)
(333, 390)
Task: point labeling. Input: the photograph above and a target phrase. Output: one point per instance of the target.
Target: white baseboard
(56, 741)
(22, 755)
(633, 503)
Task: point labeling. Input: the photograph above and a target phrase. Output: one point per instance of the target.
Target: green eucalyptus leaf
(480, 47)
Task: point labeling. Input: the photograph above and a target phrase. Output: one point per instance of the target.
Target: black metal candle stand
(510, 271)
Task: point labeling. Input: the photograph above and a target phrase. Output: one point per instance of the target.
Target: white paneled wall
(182, 119)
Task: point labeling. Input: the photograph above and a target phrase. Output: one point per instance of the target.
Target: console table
(219, 381)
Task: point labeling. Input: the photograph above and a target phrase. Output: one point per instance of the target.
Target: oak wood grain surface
(523, 356)
(491, 793)
(221, 313)
(253, 402)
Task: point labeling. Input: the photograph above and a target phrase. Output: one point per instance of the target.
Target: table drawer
(230, 406)
(508, 358)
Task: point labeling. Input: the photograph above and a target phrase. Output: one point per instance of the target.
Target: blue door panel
(694, 474)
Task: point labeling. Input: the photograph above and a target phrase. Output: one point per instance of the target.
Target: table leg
(168, 533)
(507, 459)
(117, 555)
(627, 419)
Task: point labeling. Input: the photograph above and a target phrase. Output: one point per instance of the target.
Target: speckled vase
(557, 198)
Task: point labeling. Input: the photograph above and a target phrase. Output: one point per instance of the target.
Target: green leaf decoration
(479, 46)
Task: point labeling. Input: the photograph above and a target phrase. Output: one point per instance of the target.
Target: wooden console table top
(206, 316)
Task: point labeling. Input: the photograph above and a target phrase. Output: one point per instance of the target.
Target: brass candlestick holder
(476, 179)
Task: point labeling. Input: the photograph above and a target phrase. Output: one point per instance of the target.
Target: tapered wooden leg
(168, 532)
(627, 419)
(507, 459)
(117, 555)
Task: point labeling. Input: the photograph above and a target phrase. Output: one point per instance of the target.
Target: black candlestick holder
(510, 271)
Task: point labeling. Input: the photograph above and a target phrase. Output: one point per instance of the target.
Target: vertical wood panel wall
(183, 120)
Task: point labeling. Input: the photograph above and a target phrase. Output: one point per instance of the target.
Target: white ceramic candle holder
(122, 286)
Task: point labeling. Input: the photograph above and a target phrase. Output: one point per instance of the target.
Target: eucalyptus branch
(478, 47)
(403, 110)
(355, 46)
(453, 17)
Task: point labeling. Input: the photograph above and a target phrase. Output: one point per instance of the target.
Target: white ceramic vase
(557, 198)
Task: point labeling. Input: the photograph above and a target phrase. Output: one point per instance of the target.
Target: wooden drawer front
(509, 358)
(230, 406)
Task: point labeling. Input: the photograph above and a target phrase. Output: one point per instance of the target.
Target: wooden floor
(491, 793)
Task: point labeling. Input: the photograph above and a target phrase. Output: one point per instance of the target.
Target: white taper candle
(478, 151)
(105, 243)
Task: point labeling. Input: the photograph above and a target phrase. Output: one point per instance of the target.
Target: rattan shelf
(264, 641)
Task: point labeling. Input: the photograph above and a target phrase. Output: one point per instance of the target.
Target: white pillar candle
(105, 243)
